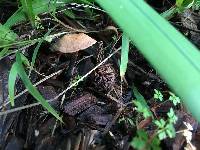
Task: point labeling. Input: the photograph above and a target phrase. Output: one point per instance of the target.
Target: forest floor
(78, 72)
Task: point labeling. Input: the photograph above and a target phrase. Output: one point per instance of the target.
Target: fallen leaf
(71, 43)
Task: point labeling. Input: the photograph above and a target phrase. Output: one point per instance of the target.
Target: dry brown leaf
(71, 43)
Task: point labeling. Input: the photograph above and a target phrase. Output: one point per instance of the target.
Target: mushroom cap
(71, 43)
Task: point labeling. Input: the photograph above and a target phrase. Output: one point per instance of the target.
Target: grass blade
(27, 8)
(3, 52)
(6, 35)
(11, 83)
(124, 54)
(170, 53)
(37, 48)
(33, 91)
(168, 14)
(39, 6)
(24, 60)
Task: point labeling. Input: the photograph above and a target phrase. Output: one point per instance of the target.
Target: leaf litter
(92, 106)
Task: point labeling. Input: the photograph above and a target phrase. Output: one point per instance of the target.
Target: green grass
(8, 38)
(28, 10)
(38, 6)
(124, 55)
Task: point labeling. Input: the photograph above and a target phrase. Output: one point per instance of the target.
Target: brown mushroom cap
(71, 43)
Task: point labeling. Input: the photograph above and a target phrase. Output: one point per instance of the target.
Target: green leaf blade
(124, 54)
(11, 83)
(28, 9)
(34, 92)
(38, 6)
(6, 35)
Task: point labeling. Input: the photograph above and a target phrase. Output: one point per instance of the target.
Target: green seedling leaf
(140, 140)
(162, 135)
(11, 82)
(160, 123)
(166, 128)
(172, 116)
(141, 104)
(158, 95)
(124, 54)
(176, 100)
(33, 91)
(138, 143)
(28, 10)
(140, 107)
(155, 144)
(170, 131)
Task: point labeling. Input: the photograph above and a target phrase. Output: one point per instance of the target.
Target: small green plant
(142, 141)
(141, 105)
(164, 128)
(158, 95)
(173, 98)
(176, 100)
(141, 108)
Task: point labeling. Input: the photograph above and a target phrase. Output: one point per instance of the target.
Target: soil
(93, 111)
